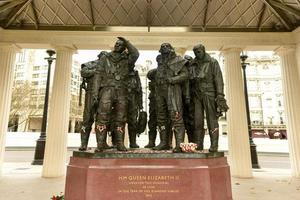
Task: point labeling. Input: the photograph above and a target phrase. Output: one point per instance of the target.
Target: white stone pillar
(180, 51)
(7, 66)
(238, 138)
(59, 109)
(291, 97)
(73, 121)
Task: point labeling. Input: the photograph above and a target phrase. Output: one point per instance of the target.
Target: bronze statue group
(183, 93)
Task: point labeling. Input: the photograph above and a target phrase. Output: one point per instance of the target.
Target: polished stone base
(149, 175)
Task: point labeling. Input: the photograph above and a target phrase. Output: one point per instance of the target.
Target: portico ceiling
(193, 15)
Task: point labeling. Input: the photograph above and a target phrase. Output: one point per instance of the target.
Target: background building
(29, 91)
(266, 96)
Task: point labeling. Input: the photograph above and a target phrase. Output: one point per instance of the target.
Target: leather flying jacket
(206, 77)
(170, 71)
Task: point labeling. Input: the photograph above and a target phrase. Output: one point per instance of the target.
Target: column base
(39, 152)
(154, 176)
(254, 159)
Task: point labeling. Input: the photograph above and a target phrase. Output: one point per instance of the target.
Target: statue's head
(199, 51)
(119, 46)
(166, 48)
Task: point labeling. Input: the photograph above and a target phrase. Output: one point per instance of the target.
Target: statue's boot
(214, 140)
(120, 139)
(101, 139)
(132, 139)
(164, 143)
(84, 135)
(190, 136)
(152, 138)
(106, 146)
(179, 137)
(199, 139)
(113, 140)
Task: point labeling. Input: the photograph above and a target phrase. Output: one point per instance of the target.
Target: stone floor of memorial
(22, 181)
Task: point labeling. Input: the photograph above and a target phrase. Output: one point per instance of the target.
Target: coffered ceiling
(193, 15)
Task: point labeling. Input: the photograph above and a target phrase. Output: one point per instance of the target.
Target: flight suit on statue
(111, 93)
(170, 79)
(87, 73)
(208, 96)
(135, 104)
(152, 123)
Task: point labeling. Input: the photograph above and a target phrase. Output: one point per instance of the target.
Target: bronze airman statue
(87, 73)
(110, 91)
(208, 96)
(170, 79)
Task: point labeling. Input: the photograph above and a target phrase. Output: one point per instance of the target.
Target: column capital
(231, 49)
(286, 49)
(68, 48)
(6, 46)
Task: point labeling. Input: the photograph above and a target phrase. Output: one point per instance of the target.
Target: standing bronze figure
(152, 123)
(110, 92)
(87, 73)
(170, 79)
(135, 105)
(208, 96)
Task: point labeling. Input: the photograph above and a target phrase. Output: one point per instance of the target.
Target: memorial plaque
(150, 176)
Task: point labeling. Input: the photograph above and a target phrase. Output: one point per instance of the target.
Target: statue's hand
(221, 103)
(170, 80)
(189, 58)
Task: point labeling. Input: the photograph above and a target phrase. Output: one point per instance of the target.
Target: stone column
(291, 96)
(72, 130)
(59, 109)
(238, 138)
(7, 66)
(180, 51)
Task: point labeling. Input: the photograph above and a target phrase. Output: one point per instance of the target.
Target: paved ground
(22, 181)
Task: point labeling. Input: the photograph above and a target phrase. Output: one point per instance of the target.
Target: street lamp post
(254, 159)
(40, 143)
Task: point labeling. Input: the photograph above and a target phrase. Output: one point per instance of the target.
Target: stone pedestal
(164, 176)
